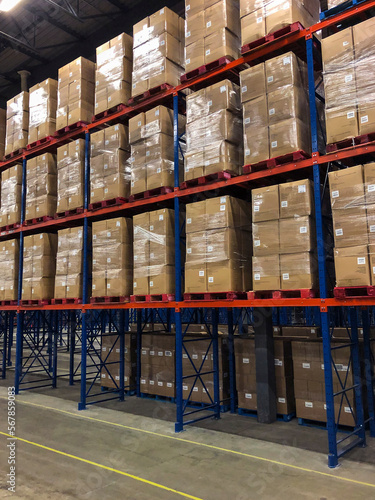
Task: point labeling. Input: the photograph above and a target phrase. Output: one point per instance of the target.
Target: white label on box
(169, 384)
(152, 382)
(371, 188)
(335, 194)
(339, 232)
(307, 366)
(161, 217)
(188, 250)
(247, 152)
(313, 330)
(364, 119)
(302, 189)
(168, 354)
(287, 60)
(350, 115)
(209, 103)
(223, 199)
(259, 20)
(270, 79)
(210, 279)
(148, 153)
(108, 234)
(246, 361)
(257, 243)
(209, 24)
(151, 228)
(344, 44)
(135, 257)
(244, 89)
(187, 61)
(272, 111)
(247, 121)
(223, 89)
(256, 277)
(208, 52)
(348, 78)
(278, 362)
(284, 204)
(201, 273)
(222, 208)
(347, 409)
(109, 285)
(322, 366)
(188, 221)
(256, 208)
(303, 230)
(248, 396)
(210, 248)
(308, 404)
(274, 144)
(109, 260)
(361, 261)
(105, 190)
(282, 401)
(187, 8)
(162, 42)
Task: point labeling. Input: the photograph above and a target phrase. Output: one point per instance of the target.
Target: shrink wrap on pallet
(11, 194)
(17, 127)
(41, 186)
(69, 264)
(70, 176)
(42, 113)
(9, 265)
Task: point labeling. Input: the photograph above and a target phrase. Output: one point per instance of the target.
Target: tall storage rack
(39, 329)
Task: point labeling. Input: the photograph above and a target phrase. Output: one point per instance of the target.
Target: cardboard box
(347, 190)
(253, 26)
(338, 50)
(194, 55)
(253, 82)
(266, 203)
(296, 199)
(266, 273)
(221, 15)
(266, 238)
(285, 70)
(350, 227)
(297, 235)
(289, 136)
(299, 271)
(221, 43)
(256, 146)
(352, 266)
(341, 123)
(286, 103)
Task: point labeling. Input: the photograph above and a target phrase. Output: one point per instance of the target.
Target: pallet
(69, 213)
(206, 68)
(244, 412)
(109, 300)
(38, 220)
(354, 292)
(35, 302)
(188, 297)
(282, 294)
(162, 297)
(207, 179)
(199, 405)
(322, 425)
(9, 303)
(70, 128)
(278, 161)
(109, 112)
(114, 202)
(56, 302)
(282, 32)
(155, 397)
(11, 155)
(150, 193)
(39, 142)
(349, 143)
(339, 8)
(149, 93)
(10, 227)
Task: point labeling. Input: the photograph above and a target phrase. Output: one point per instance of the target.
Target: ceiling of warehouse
(42, 35)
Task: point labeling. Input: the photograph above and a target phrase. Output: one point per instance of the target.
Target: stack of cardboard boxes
(69, 262)
(353, 212)
(3, 124)
(261, 17)
(348, 60)
(275, 102)
(76, 93)
(244, 348)
(39, 266)
(154, 253)
(110, 355)
(213, 131)
(212, 31)
(218, 246)
(158, 365)
(11, 194)
(41, 186)
(158, 58)
(70, 176)
(114, 61)
(17, 123)
(109, 168)
(284, 237)
(152, 149)
(43, 107)
(334, 3)
(9, 265)
(309, 385)
(112, 253)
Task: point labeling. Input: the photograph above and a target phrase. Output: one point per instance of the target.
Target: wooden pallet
(350, 143)
(39, 142)
(282, 294)
(114, 202)
(276, 162)
(150, 193)
(321, 425)
(149, 93)
(207, 179)
(70, 128)
(38, 220)
(11, 155)
(56, 302)
(253, 413)
(109, 112)
(206, 68)
(10, 227)
(9, 303)
(209, 296)
(259, 295)
(161, 297)
(354, 292)
(109, 300)
(35, 303)
(156, 397)
(282, 32)
(69, 213)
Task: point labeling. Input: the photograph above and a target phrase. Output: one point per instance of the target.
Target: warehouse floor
(118, 452)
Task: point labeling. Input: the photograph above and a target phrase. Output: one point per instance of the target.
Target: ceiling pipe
(24, 77)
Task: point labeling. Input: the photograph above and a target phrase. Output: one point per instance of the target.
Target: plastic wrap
(266, 273)
(41, 186)
(11, 193)
(154, 271)
(112, 271)
(76, 93)
(297, 235)
(43, 107)
(299, 271)
(296, 199)
(70, 176)
(17, 123)
(39, 266)
(266, 204)
(9, 265)
(69, 262)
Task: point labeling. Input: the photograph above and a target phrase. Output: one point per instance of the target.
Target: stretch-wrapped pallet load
(17, 123)
(41, 186)
(110, 354)
(69, 264)
(284, 237)
(114, 61)
(39, 266)
(70, 176)
(158, 368)
(76, 93)
(112, 258)
(154, 253)
(109, 167)
(9, 265)
(213, 131)
(218, 246)
(212, 31)
(152, 149)
(11, 194)
(275, 102)
(3, 127)
(158, 58)
(348, 63)
(43, 108)
(352, 192)
(309, 382)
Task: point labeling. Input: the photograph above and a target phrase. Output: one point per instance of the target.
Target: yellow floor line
(110, 469)
(195, 443)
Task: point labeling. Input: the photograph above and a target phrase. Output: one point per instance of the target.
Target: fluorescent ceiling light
(7, 5)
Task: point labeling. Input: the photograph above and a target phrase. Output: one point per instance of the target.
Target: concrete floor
(116, 451)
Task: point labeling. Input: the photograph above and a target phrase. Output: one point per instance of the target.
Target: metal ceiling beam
(22, 47)
(69, 12)
(54, 22)
(118, 4)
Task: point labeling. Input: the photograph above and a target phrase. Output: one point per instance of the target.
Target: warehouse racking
(40, 328)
